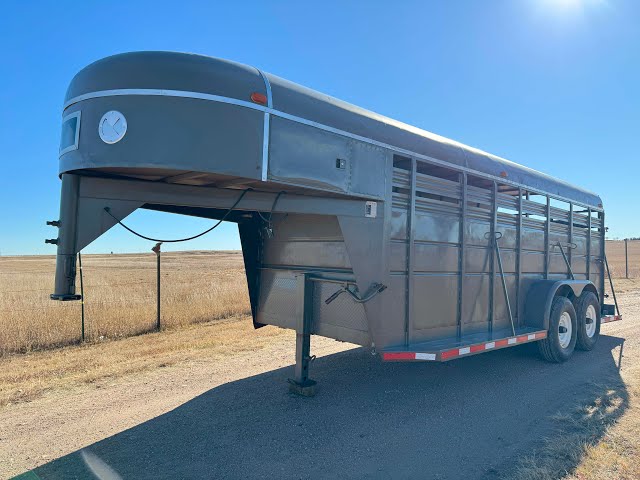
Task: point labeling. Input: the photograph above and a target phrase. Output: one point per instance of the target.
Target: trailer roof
(213, 76)
(309, 104)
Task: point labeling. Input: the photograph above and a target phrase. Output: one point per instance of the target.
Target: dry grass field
(616, 258)
(120, 297)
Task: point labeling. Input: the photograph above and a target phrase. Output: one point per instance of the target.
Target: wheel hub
(564, 330)
(590, 321)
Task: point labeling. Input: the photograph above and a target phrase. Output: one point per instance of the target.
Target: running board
(610, 318)
(444, 352)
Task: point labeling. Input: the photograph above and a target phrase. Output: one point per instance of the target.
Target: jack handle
(374, 290)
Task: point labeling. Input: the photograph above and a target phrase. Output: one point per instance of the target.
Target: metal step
(448, 349)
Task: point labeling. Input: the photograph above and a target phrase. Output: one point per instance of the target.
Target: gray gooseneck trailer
(353, 226)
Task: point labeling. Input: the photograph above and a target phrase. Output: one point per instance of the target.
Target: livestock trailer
(353, 226)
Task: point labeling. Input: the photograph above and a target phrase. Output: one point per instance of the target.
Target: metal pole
(411, 219)
(613, 291)
(301, 384)
(626, 257)
(570, 250)
(547, 232)
(492, 259)
(504, 283)
(461, 252)
(519, 258)
(65, 284)
(81, 294)
(156, 250)
(589, 243)
(566, 260)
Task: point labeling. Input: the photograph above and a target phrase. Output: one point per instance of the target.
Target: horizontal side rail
(462, 350)
(183, 195)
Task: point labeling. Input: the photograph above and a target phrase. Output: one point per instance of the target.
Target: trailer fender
(541, 294)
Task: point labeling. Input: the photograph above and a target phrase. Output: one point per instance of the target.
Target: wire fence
(624, 258)
(120, 297)
(120, 294)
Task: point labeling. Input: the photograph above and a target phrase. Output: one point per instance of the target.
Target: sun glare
(564, 5)
(568, 3)
(571, 4)
(568, 9)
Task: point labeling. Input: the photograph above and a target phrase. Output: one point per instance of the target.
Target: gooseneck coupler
(65, 281)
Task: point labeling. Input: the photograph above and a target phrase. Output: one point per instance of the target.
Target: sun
(565, 4)
(572, 4)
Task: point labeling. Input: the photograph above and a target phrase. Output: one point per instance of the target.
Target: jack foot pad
(65, 298)
(305, 389)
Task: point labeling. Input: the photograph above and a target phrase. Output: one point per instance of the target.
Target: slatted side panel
(587, 258)
(532, 242)
(399, 251)
(506, 226)
(580, 239)
(596, 241)
(478, 254)
(446, 264)
(560, 239)
(435, 258)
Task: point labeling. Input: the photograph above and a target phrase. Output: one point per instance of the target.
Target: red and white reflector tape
(463, 351)
(610, 318)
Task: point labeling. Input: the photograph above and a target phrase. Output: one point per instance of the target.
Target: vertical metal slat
(519, 257)
(410, 254)
(589, 243)
(570, 253)
(461, 252)
(494, 226)
(547, 227)
(603, 252)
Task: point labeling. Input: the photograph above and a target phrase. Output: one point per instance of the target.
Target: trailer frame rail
(446, 352)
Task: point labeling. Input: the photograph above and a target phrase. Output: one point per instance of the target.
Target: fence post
(156, 250)
(81, 296)
(626, 257)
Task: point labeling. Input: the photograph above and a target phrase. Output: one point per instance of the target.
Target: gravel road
(233, 418)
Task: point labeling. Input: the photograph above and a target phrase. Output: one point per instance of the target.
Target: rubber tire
(581, 305)
(550, 348)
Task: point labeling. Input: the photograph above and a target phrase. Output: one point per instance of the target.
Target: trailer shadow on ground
(473, 418)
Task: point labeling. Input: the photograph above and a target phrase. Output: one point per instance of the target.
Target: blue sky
(551, 84)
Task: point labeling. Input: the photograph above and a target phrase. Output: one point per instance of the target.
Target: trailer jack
(301, 384)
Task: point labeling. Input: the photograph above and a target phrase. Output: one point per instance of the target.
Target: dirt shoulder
(64, 400)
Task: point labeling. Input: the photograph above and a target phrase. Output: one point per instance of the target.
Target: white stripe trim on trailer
(265, 130)
(311, 123)
(425, 356)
